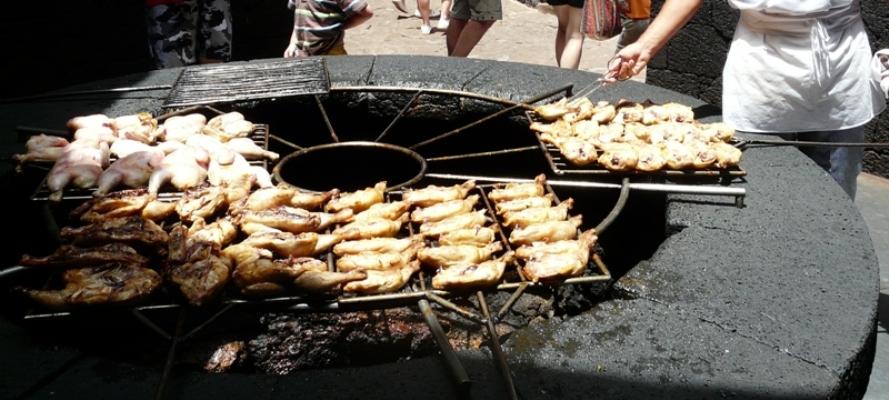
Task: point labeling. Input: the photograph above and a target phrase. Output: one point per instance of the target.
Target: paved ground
(873, 193)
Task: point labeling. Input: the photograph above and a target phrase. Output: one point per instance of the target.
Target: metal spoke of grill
(285, 142)
(399, 115)
(496, 350)
(326, 119)
(525, 104)
(482, 154)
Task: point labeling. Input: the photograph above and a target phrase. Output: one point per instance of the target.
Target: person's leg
(842, 163)
(423, 8)
(445, 16)
(171, 36)
(455, 29)
(216, 31)
(572, 46)
(470, 35)
(562, 19)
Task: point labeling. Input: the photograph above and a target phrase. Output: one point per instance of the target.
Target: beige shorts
(477, 10)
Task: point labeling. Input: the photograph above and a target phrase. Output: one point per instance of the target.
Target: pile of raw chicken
(630, 136)
(279, 240)
(184, 151)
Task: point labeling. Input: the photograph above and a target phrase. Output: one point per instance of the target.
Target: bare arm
(359, 18)
(669, 20)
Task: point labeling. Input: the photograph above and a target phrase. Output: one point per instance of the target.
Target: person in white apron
(800, 69)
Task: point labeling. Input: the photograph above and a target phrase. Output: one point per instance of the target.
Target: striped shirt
(318, 24)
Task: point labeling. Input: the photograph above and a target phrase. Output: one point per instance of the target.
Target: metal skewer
(496, 350)
(458, 373)
(800, 143)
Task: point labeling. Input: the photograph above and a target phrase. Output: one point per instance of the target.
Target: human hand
(628, 62)
(290, 51)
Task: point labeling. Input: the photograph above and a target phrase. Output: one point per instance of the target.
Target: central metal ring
(350, 166)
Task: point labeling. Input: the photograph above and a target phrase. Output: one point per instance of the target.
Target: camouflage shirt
(318, 24)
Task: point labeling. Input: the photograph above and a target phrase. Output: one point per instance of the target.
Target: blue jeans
(842, 163)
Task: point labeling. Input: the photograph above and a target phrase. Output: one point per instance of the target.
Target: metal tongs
(601, 82)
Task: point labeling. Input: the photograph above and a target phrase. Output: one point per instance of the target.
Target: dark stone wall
(60, 43)
(692, 62)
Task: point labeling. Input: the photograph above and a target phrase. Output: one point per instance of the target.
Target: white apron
(799, 65)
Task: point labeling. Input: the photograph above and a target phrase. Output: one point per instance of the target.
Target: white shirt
(799, 65)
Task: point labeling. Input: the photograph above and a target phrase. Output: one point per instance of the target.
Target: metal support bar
(285, 142)
(803, 143)
(618, 207)
(453, 307)
(482, 154)
(326, 119)
(525, 104)
(399, 115)
(171, 356)
(150, 324)
(458, 373)
(45, 96)
(496, 351)
(460, 93)
(12, 271)
(512, 299)
(198, 328)
(35, 130)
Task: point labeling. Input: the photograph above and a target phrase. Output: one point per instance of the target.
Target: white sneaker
(432, 14)
(443, 24)
(425, 29)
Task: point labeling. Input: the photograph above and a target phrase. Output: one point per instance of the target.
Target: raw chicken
(96, 133)
(124, 147)
(228, 126)
(42, 148)
(184, 168)
(238, 177)
(132, 171)
(80, 164)
(250, 150)
(141, 127)
(179, 128)
(88, 121)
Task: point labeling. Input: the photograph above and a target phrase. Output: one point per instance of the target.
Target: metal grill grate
(249, 81)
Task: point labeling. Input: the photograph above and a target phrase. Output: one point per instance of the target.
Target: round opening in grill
(353, 165)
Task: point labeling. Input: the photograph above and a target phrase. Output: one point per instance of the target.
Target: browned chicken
(318, 281)
(530, 216)
(157, 210)
(444, 256)
(461, 221)
(478, 236)
(358, 201)
(201, 203)
(200, 281)
(375, 245)
(553, 111)
(220, 233)
(288, 244)
(142, 127)
(472, 276)
(124, 203)
(549, 231)
(312, 201)
(440, 211)
(268, 277)
(528, 202)
(369, 229)
(130, 230)
(264, 199)
(385, 281)
(112, 283)
(377, 261)
(283, 218)
(560, 128)
(433, 194)
(67, 256)
(391, 211)
(513, 191)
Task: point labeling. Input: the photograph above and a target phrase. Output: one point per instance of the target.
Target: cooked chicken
(579, 247)
(440, 211)
(141, 127)
(667, 112)
(124, 203)
(581, 109)
(200, 281)
(250, 275)
(238, 177)
(553, 266)
(443, 256)
(80, 164)
(604, 114)
(358, 201)
(312, 201)
(330, 219)
(241, 253)
(619, 157)
(678, 156)
(726, 155)
(369, 229)
(157, 210)
(88, 121)
(179, 128)
(42, 148)
(320, 281)
(471, 276)
(629, 112)
(386, 281)
(478, 236)
(219, 233)
(578, 151)
(131, 171)
(185, 168)
(559, 128)
(390, 211)
(264, 199)
(283, 218)
(67, 256)
(651, 158)
(461, 221)
(201, 203)
(288, 244)
(112, 283)
(531, 216)
(130, 230)
(513, 191)
(433, 194)
(586, 129)
(525, 203)
(228, 126)
(705, 156)
(722, 131)
(549, 231)
(375, 245)
(97, 134)
(377, 261)
(553, 111)
(250, 150)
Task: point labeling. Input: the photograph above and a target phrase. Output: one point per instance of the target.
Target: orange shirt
(636, 9)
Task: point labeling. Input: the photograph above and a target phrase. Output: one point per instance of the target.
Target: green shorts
(477, 10)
